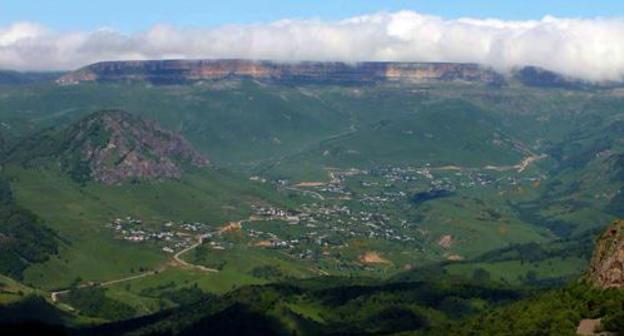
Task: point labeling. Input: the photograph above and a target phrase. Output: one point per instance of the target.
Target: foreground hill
(434, 305)
(591, 305)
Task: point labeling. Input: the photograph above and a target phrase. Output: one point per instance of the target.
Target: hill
(112, 146)
(8, 78)
(109, 169)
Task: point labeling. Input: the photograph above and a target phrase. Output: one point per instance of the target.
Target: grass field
(517, 272)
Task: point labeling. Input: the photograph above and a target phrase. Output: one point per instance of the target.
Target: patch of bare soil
(231, 227)
(454, 257)
(372, 257)
(445, 241)
(590, 327)
(309, 184)
(263, 243)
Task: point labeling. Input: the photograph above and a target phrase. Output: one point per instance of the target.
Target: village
(170, 236)
(355, 204)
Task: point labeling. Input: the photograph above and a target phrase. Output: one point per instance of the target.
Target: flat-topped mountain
(112, 146)
(185, 71)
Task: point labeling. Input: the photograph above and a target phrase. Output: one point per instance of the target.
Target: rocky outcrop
(112, 146)
(606, 269)
(188, 71)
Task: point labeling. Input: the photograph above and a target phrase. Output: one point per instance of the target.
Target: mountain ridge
(184, 71)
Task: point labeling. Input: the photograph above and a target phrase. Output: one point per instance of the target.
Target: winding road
(54, 295)
(308, 192)
(177, 260)
(184, 263)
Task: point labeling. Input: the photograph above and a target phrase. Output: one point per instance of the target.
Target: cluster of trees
(360, 306)
(92, 301)
(180, 296)
(558, 312)
(23, 237)
(333, 305)
(210, 258)
(268, 272)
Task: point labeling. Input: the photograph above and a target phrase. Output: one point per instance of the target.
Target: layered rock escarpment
(188, 71)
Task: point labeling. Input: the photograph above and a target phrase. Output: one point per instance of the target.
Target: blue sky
(133, 15)
(585, 39)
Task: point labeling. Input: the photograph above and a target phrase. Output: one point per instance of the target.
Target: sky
(583, 39)
(133, 15)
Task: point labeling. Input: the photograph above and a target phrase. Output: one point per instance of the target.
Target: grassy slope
(239, 124)
(79, 215)
(220, 123)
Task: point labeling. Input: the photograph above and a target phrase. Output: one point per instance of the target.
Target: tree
(480, 275)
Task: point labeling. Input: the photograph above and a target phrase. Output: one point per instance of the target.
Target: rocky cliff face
(112, 146)
(607, 265)
(188, 71)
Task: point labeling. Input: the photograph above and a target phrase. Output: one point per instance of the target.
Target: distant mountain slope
(111, 146)
(23, 78)
(453, 132)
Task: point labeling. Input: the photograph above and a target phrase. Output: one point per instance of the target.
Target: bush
(94, 302)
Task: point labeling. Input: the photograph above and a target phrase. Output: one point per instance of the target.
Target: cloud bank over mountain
(591, 49)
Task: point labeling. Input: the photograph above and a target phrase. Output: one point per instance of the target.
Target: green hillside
(200, 198)
(24, 240)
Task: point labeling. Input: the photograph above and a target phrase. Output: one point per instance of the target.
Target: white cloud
(591, 49)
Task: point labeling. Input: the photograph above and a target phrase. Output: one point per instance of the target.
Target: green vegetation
(330, 305)
(80, 215)
(24, 240)
(94, 302)
(555, 313)
(420, 205)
